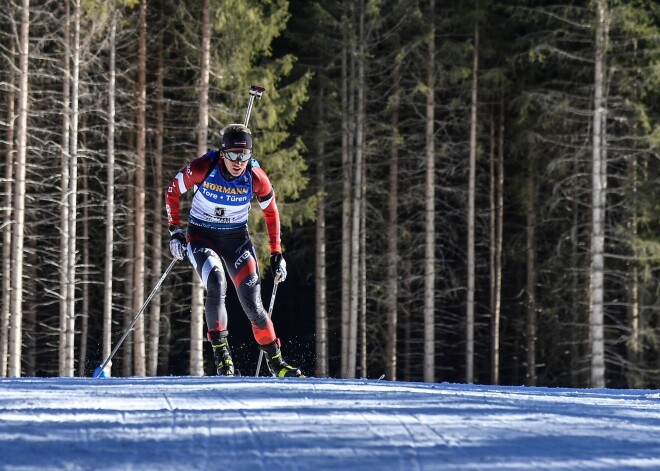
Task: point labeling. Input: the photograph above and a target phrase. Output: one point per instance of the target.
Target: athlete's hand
(278, 266)
(177, 242)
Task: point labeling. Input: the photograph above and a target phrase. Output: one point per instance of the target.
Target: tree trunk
(392, 282)
(65, 185)
(347, 164)
(7, 216)
(530, 377)
(497, 236)
(469, 322)
(599, 172)
(429, 210)
(196, 322)
(356, 204)
(153, 334)
(110, 196)
(70, 324)
(320, 299)
(633, 350)
(84, 309)
(492, 230)
(127, 346)
(16, 319)
(140, 191)
(30, 334)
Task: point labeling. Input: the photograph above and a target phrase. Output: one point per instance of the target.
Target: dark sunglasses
(234, 156)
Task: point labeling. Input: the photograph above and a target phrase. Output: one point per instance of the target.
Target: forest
(467, 189)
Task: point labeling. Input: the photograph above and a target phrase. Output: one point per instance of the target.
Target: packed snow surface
(188, 423)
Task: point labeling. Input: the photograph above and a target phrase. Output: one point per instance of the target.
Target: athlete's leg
(206, 262)
(243, 269)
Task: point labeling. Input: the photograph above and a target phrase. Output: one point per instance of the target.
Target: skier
(217, 234)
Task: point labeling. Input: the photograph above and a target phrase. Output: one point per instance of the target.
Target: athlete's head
(236, 148)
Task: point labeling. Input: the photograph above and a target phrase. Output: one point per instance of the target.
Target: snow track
(320, 424)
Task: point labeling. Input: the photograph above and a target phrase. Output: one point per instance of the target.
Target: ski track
(320, 424)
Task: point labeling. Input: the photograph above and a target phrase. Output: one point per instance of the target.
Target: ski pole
(255, 92)
(100, 369)
(270, 314)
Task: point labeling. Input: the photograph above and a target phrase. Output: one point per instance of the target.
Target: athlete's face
(234, 160)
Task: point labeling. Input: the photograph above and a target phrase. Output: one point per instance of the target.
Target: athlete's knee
(215, 282)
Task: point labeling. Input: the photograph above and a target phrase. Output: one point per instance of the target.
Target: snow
(211, 423)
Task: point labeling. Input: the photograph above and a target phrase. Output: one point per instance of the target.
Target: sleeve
(189, 176)
(265, 193)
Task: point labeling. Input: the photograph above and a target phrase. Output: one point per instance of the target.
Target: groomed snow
(187, 423)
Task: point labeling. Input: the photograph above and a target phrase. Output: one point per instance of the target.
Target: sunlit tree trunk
(85, 298)
(7, 226)
(429, 208)
(64, 186)
(356, 205)
(196, 323)
(30, 338)
(16, 331)
(127, 269)
(140, 190)
(110, 194)
(599, 173)
(68, 339)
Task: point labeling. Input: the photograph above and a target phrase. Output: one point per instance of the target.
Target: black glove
(177, 242)
(278, 266)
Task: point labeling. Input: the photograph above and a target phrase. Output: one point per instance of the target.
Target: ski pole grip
(257, 91)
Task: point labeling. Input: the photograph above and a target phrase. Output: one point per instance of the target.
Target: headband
(236, 140)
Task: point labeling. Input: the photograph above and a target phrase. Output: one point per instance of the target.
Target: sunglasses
(234, 156)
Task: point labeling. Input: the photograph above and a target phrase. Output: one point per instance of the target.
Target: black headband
(236, 140)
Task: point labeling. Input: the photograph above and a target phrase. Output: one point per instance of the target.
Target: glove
(278, 266)
(178, 242)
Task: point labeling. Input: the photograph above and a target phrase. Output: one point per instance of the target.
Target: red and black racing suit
(217, 233)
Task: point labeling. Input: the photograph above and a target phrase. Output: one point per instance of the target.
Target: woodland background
(468, 189)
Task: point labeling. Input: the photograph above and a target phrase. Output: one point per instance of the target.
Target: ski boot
(277, 366)
(222, 353)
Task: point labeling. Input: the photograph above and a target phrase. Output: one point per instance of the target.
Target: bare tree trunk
(140, 190)
(392, 294)
(577, 333)
(363, 271)
(7, 221)
(497, 217)
(356, 203)
(320, 280)
(492, 230)
(70, 325)
(346, 163)
(530, 377)
(110, 196)
(153, 334)
(598, 208)
(65, 185)
(84, 309)
(469, 322)
(633, 350)
(30, 338)
(429, 210)
(196, 322)
(16, 319)
(127, 346)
